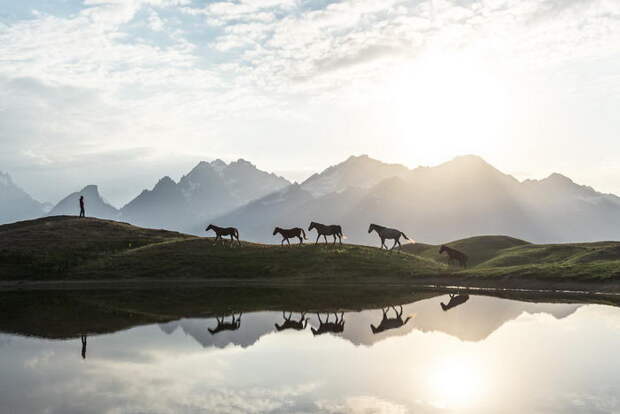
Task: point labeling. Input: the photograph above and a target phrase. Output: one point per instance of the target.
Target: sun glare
(455, 383)
(443, 106)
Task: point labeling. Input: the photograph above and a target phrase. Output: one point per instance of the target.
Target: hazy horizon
(292, 177)
(122, 92)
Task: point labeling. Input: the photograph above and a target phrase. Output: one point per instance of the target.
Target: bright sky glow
(122, 92)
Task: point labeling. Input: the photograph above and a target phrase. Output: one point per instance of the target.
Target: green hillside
(69, 248)
(88, 249)
(479, 249)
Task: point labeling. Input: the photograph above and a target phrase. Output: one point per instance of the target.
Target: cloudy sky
(122, 92)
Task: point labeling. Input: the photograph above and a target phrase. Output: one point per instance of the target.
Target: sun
(455, 382)
(440, 106)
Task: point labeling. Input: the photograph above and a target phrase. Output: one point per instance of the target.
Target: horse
(226, 326)
(224, 231)
(455, 300)
(288, 233)
(299, 325)
(460, 257)
(327, 326)
(387, 233)
(390, 323)
(326, 230)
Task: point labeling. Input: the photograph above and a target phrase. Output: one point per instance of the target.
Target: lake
(458, 353)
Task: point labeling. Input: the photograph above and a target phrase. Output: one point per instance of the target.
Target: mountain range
(15, 203)
(459, 198)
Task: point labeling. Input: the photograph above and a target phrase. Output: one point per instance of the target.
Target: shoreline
(448, 283)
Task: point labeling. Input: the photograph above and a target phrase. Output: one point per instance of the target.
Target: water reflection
(390, 323)
(488, 356)
(455, 300)
(336, 326)
(83, 338)
(222, 325)
(298, 325)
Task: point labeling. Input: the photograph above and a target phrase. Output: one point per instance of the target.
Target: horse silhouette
(288, 323)
(335, 327)
(390, 323)
(385, 233)
(454, 255)
(288, 233)
(233, 325)
(224, 231)
(455, 300)
(326, 230)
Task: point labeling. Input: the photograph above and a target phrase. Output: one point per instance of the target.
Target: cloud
(185, 76)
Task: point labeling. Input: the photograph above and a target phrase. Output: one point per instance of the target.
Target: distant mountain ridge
(96, 206)
(15, 203)
(209, 189)
(460, 198)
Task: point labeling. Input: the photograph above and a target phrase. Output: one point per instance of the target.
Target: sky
(122, 92)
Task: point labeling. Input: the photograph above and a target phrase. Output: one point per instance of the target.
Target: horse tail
(404, 235)
(303, 233)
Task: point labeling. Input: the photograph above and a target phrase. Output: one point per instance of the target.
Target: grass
(69, 248)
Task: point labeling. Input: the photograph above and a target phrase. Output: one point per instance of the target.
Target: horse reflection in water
(288, 323)
(335, 327)
(84, 338)
(455, 300)
(233, 325)
(390, 323)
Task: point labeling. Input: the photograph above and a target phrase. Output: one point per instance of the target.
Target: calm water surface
(485, 355)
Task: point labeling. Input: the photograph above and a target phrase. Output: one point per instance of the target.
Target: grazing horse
(390, 323)
(460, 257)
(224, 231)
(455, 300)
(325, 230)
(299, 325)
(327, 326)
(226, 326)
(386, 233)
(288, 233)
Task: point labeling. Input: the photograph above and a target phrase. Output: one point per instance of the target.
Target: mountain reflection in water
(481, 355)
(472, 321)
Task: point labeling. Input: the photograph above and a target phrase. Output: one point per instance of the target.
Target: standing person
(82, 212)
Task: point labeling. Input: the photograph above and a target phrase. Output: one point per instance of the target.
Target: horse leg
(282, 244)
(325, 237)
(318, 236)
(334, 239)
(394, 245)
(301, 241)
(288, 241)
(383, 243)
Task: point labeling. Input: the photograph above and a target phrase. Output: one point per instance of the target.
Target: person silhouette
(82, 211)
(84, 337)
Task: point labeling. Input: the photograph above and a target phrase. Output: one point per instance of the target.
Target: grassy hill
(56, 245)
(509, 258)
(88, 249)
(479, 249)
(69, 248)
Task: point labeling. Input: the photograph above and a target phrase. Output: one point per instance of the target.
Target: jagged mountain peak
(15, 203)
(164, 182)
(359, 171)
(96, 206)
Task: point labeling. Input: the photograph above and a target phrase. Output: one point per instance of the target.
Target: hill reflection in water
(486, 355)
